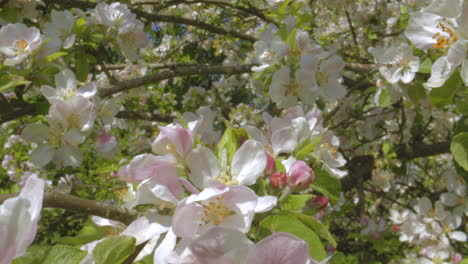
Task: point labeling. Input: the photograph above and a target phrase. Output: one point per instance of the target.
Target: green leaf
(9, 81)
(444, 95)
(292, 225)
(86, 235)
(114, 250)
(55, 56)
(61, 254)
(80, 26)
(82, 64)
(42, 107)
(305, 148)
(425, 66)
(228, 145)
(459, 149)
(329, 186)
(295, 201)
(416, 92)
(384, 99)
(34, 254)
(279, 166)
(320, 229)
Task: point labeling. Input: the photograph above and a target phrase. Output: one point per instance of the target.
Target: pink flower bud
(375, 235)
(330, 249)
(457, 258)
(395, 228)
(271, 166)
(278, 179)
(106, 143)
(424, 252)
(301, 175)
(318, 203)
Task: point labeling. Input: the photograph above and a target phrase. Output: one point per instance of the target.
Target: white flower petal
(248, 162)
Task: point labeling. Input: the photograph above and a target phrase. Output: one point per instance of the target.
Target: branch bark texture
(56, 199)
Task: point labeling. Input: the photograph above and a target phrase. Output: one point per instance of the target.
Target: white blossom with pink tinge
(232, 207)
(66, 88)
(18, 220)
(160, 180)
(279, 248)
(175, 139)
(17, 42)
(247, 165)
(218, 245)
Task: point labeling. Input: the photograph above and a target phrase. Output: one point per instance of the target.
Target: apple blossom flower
(374, 229)
(54, 145)
(215, 245)
(286, 133)
(17, 42)
(75, 113)
(106, 110)
(247, 165)
(440, 27)
(61, 28)
(160, 181)
(66, 88)
(129, 31)
(175, 139)
(207, 134)
(233, 206)
(329, 155)
(269, 49)
(283, 89)
(279, 248)
(396, 62)
(18, 219)
(106, 145)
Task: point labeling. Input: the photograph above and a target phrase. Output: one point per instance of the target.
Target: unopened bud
(270, 166)
(330, 249)
(278, 179)
(318, 203)
(375, 235)
(457, 258)
(395, 228)
(301, 175)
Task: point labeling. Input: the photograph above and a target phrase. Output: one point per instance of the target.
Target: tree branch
(175, 72)
(420, 150)
(142, 115)
(56, 199)
(194, 23)
(160, 18)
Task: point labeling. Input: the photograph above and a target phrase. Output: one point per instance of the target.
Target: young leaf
(114, 250)
(459, 149)
(61, 254)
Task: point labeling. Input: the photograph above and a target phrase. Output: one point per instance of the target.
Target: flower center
(322, 78)
(74, 120)
(21, 45)
(226, 179)
(291, 89)
(69, 93)
(329, 147)
(448, 37)
(215, 211)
